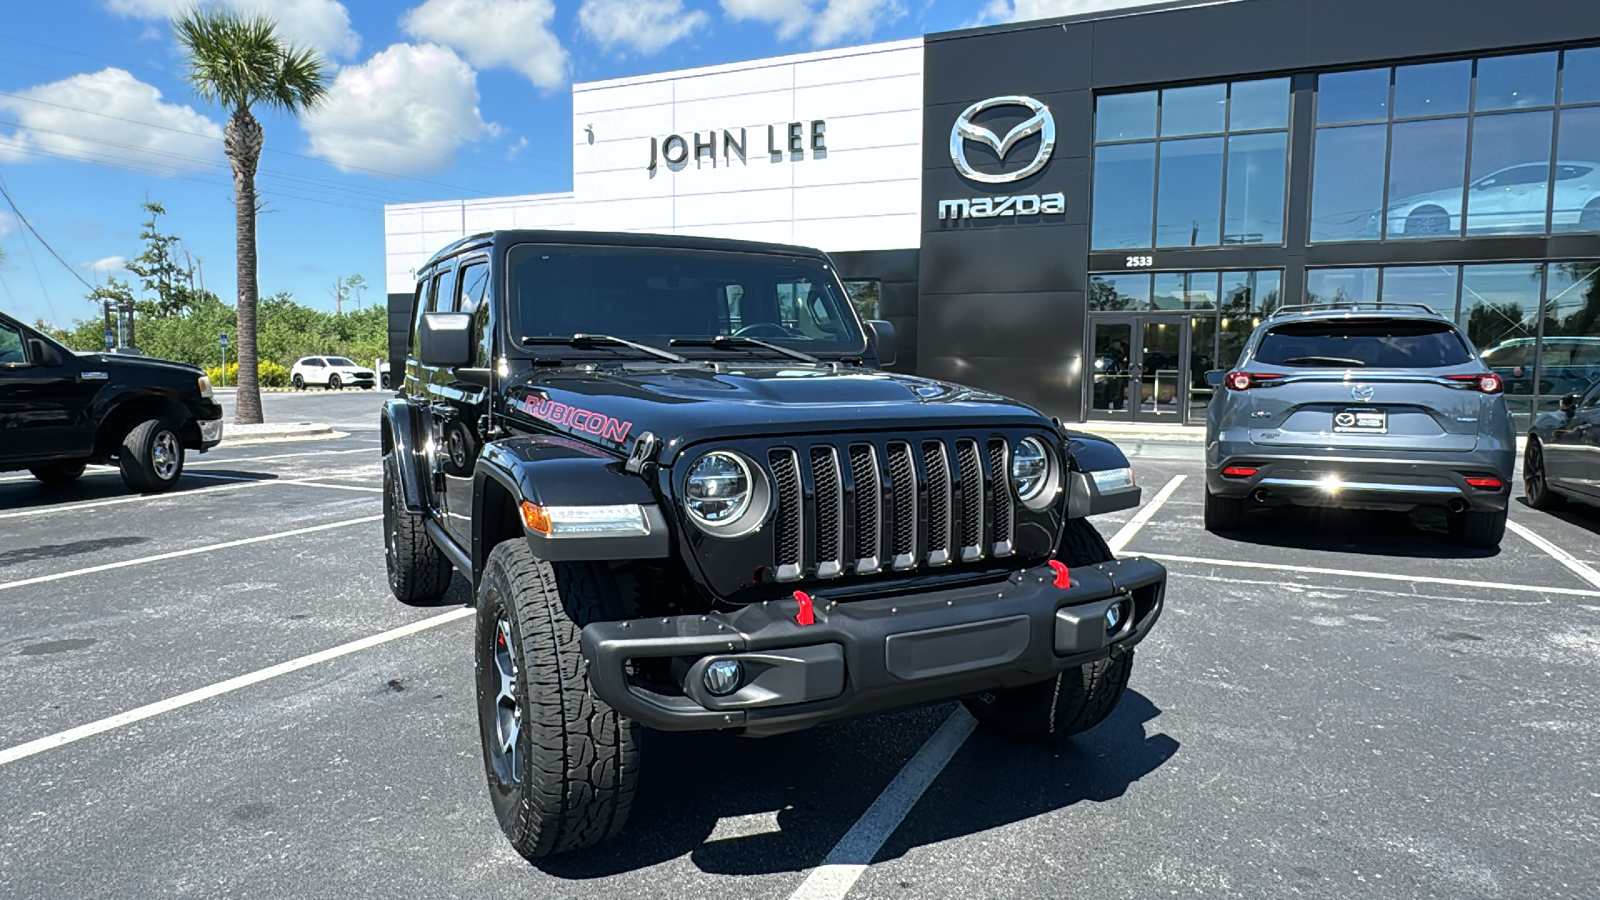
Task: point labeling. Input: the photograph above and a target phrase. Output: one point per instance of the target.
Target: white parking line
(100, 726)
(851, 856)
(340, 487)
(209, 461)
(208, 548)
(1559, 555)
(1381, 576)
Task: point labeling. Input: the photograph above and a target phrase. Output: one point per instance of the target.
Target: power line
(29, 225)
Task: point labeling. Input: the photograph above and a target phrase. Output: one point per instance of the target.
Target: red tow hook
(1063, 574)
(805, 616)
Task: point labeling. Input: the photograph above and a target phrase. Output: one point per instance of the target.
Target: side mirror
(43, 354)
(883, 340)
(1569, 403)
(444, 339)
(1215, 376)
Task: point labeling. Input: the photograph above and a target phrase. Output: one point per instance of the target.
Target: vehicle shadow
(1422, 533)
(785, 801)
(106, 484)
(1572, 512)
(63, 551)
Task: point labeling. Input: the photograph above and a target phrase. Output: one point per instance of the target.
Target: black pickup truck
(60, 411)
(688, 496)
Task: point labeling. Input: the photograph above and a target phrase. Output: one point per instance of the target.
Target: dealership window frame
(1559, 104)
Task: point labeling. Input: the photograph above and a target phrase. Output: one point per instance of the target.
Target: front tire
(419, 572)
(58, 473)
(1535, 483)
(334, 384)
(562, 765)
(1429, 221)
(151, 457)
(1076, 699)
(1223, 513)
(1478, 529)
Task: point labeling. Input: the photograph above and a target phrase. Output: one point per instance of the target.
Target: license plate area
(1361, 421)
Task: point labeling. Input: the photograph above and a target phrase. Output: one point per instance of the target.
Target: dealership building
(1089, 213)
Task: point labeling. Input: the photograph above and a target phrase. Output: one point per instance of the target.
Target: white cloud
(827, 21)
(108, 117)
(323, 24)
(8, 224)
(106, 266)
(511, 33)
(1021, 10)
(644, 26)
(404, 111)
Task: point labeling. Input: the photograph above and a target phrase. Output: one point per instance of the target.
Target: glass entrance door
(1139, 368)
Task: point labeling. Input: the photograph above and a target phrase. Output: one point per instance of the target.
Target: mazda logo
(1362, 392)
(1040, 123)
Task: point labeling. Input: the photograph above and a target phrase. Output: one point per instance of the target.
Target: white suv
(331, 372)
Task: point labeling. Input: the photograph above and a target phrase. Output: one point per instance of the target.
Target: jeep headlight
(725, 494)
(1034, 475)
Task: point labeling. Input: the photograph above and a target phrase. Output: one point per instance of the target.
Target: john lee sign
(676, 150)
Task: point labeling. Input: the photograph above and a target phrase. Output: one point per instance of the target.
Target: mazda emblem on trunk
(1362, 392)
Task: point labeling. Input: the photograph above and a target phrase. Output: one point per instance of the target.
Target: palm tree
(239, 61)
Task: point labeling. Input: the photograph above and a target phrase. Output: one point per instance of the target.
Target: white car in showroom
(332, 372)
(1507, 200)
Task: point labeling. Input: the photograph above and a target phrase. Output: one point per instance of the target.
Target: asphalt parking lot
(1332, 705)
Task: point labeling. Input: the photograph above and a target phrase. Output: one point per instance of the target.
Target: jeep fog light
(622, 520)
(1115, 613)
(722, 677)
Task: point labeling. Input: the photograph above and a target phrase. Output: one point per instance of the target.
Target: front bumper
(868, 656)
(210, 433)
(1397, 482)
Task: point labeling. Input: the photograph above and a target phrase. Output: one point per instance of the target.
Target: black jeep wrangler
(688, 497)
(60, 411)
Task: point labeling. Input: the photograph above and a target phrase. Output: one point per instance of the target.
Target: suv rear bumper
(868, 656)
(1365, 482)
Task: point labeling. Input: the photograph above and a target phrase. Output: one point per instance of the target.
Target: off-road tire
(1223, 513)
(418, 570)
(579, 757)
(58, 473)
(299, 383)
(1076, 699)
(1536, 481)
(1478, 529)
(145, 468)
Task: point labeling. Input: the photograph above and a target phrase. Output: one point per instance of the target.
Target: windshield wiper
(1324, 360)
(579, 339)
(739, 340)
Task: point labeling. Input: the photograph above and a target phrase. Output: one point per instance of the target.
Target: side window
(419, 305)
(440, 295)
(11, 352)
(474, 299)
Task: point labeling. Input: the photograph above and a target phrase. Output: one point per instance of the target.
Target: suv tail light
(1487, 383)
(1243, 381)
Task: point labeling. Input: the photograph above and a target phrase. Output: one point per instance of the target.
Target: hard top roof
(506, 238)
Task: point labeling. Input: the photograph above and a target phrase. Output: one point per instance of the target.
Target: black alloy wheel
(1535, 483)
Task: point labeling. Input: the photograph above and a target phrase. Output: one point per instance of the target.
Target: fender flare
(1087, 495)
(399, 433)
(557, 471)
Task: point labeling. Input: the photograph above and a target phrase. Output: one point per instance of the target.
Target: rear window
(1363, 343)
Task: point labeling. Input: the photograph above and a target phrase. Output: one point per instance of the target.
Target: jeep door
(44, 404)
(458, 406)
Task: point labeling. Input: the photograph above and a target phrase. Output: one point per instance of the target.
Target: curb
(234, 435)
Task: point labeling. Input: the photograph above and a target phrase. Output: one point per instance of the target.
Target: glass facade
(1535, 323)
(1198, 166)
(1501, 145)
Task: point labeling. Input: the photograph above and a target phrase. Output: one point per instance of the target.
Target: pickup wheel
(151, 457)
(1075, 700)
(418, 570)
(58, 473)
(1223, 513)
(1478, 529)
(562, 765)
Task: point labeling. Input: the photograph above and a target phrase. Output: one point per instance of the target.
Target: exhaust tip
(1458, 505)
(1260, 495)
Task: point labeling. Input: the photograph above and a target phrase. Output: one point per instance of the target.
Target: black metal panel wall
(896, 273)
(1002, 302)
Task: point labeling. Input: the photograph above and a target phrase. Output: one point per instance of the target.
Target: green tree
(240, 62)
(159, 272)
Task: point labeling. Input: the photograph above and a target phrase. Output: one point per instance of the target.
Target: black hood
(682, 405)
(129, 362)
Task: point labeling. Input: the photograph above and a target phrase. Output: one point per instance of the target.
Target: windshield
(654, 295)
(1355, 343)
(339, 361)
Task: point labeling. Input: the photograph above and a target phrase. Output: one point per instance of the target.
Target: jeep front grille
(865, 506)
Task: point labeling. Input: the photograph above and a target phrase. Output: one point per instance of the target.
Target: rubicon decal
(579, 420)
(994, 207)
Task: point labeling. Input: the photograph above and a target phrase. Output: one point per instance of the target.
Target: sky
(428, 100)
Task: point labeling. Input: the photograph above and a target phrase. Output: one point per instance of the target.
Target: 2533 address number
(1141, 262)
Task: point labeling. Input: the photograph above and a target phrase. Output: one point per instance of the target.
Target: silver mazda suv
(1360, 408)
